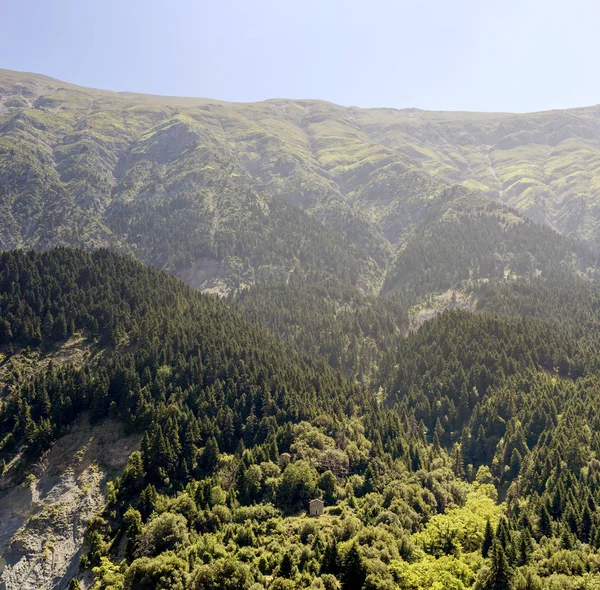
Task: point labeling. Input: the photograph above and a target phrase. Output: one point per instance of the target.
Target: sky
(483, 55)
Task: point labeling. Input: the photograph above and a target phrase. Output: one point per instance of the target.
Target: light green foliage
(460, 530)
(224, 574)
(165, 572)
(108, 576)
(443, 573)
(297, 487)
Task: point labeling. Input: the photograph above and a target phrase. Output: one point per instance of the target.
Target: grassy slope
(203, 188)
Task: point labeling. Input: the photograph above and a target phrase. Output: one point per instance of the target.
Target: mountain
(225, 195)
(406, 328)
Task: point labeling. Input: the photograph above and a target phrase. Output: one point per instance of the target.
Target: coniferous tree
(525, 547)
(286, 567)
(545, 522)
(501, 574)
(585, 525)
(353, 572)
(210, 455)
(488, 539)
(331, 563)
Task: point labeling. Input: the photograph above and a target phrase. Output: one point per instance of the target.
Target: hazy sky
(485, 55)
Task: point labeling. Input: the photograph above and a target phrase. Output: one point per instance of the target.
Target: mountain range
(213, 313)
(224, 194)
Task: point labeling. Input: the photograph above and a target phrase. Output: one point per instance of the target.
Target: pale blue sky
(485, 55)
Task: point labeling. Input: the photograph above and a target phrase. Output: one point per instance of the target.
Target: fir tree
(286, 567)
(525, 547)
(545, 522)
(331, 560)
(585, 525)
(353, 572)
(501, 574)
(488, 539)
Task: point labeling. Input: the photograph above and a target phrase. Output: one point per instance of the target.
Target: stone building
(316, 507)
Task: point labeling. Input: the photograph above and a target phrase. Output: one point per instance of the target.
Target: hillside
(225, 195)
(406, 328)
(165, 355)
(464, 470)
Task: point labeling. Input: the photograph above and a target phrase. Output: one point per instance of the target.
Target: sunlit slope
(228, 194)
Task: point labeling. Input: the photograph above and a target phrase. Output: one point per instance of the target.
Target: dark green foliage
(331, 563)
(286, 567)
(239, 430)
(353, 572)
(488, 539)
(501, 574)
(478, 242)
(352, 332)
(165, 323)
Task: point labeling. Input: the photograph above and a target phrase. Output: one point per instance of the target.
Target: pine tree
(286, 567)
(545, 523)
(436, 442)
(515, 462)
(488, 539)
(354, 571)
(525, 547)
(557, 503)
(148, 499)
(438, 434)
(585, 525)
(503, 534)
(501, 574)
(47, 325)
(331, 559)
(570, 517)
(596, 538)
(60, 326)
(566, 537)
(132, 520)
(458, 463)
(210, 455)
(481, 446)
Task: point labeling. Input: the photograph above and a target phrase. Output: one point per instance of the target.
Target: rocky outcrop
(43, 519)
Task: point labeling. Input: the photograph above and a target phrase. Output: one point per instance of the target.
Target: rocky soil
(43, 519)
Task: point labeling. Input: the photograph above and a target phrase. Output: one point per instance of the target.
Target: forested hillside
(400, 318)
(466, 458)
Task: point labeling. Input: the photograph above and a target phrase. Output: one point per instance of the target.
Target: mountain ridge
(35, 75)
(203, 189)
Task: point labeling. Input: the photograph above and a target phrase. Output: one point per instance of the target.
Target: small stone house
(315, 507)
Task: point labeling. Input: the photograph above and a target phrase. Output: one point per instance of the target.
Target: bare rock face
(43, 521)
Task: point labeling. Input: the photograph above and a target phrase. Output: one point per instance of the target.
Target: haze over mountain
(407, 329)
(225, 194)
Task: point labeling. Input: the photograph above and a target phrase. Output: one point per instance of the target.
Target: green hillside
(474, 466)
(225, 195)
(406, 328)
